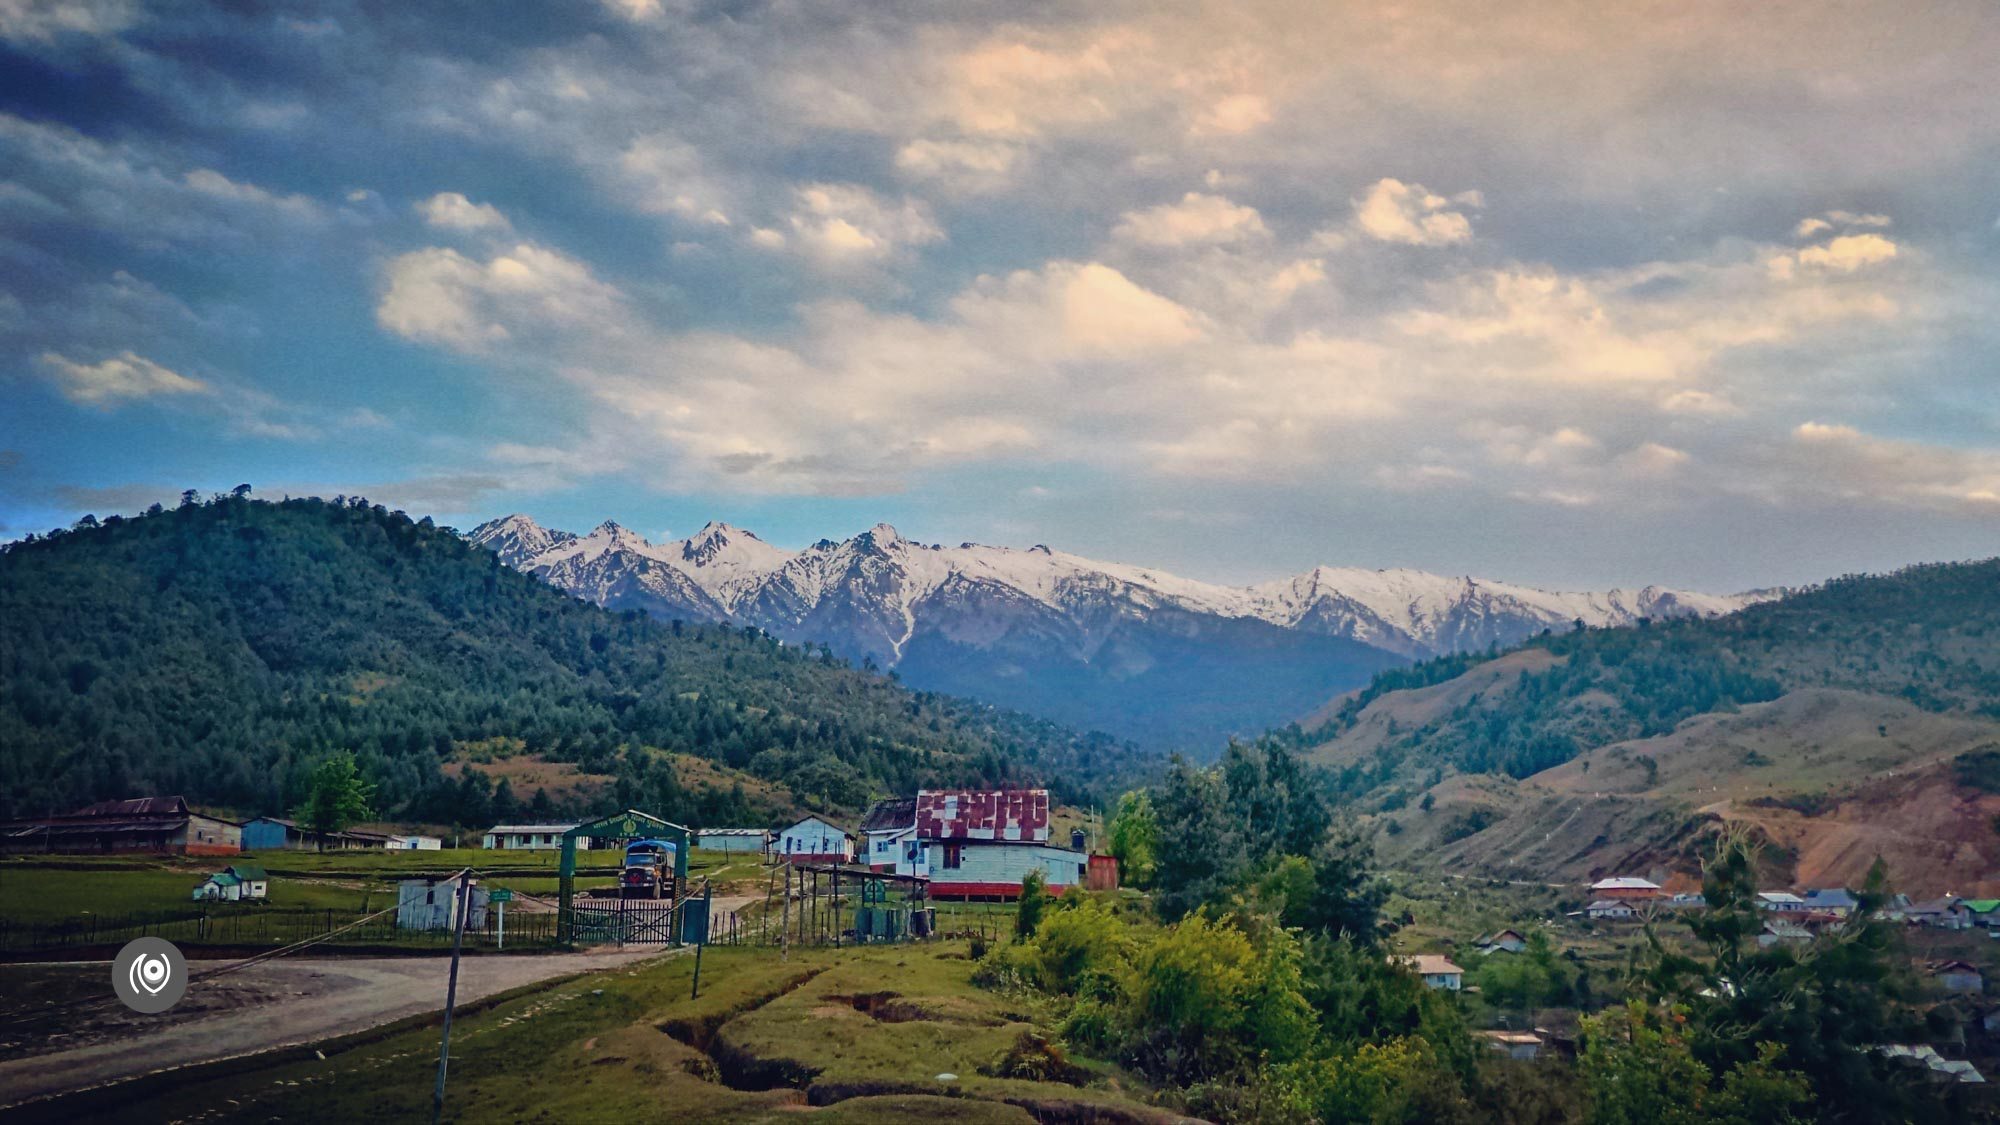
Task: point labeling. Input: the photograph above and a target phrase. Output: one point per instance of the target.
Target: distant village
(964, 844)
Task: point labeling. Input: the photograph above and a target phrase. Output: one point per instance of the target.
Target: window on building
(954, 856)
(910, 852)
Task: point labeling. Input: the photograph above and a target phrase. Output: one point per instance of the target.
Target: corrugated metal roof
(137, 806)
(896, 812)
(989, 814)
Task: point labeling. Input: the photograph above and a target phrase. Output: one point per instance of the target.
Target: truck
(649, 870)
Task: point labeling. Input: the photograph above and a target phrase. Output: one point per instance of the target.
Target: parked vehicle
(649, 870)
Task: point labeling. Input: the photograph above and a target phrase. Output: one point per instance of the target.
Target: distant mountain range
(1167, 661)
(1854, 720)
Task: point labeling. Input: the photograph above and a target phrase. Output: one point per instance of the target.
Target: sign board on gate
(500, 895)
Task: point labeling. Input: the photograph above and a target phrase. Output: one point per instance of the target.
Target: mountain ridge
(1134, 650)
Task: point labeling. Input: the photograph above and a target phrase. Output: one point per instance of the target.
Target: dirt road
(275, 1004)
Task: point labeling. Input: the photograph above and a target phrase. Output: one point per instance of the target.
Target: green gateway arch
(628, 825)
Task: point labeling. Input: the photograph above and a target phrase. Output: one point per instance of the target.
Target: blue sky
(1574, 294)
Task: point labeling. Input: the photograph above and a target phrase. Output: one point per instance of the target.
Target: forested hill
(218, 650)
(1927, 636)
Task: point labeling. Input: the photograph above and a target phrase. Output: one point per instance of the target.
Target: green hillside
(217, 650)
(1928, 636)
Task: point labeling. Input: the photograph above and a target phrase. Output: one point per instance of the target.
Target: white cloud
(665, 175)
(214, 184)
(1840, 462)
(964, 164)
(1394, 211)
(1848, 253)
(1197, 218)
(453, 211)
(1234, 114)
(843, 223)
(46, 20)
(122, 378)
(438, 295)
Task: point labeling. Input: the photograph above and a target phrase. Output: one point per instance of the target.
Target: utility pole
(463, 901)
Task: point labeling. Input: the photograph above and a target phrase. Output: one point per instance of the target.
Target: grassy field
(41, 895)
(766, 1038)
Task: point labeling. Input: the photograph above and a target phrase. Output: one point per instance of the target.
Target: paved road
(279, 1003)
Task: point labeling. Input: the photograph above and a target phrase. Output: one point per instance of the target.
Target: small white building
(1778, 931)
(1959, 976)
(1437, 971)
(1625, 886)
(1781, 902)
(426, 904)
(239, 882)
(1506, 941)
(734, 841)
(813, 840)
(401, 843)
(529, 837)
(1610, 910)
(887, 831)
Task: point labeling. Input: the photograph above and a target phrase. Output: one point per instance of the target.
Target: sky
(1576, 294)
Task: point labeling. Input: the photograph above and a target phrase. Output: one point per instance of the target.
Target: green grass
(39, 895)
(599, 1049)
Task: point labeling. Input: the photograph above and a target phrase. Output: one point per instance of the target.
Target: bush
(1080, 951)
(1203, 1000)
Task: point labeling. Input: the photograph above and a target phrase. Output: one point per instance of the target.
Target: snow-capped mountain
(1137, 651)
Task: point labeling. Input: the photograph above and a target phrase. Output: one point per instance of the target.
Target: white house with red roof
(980, 843)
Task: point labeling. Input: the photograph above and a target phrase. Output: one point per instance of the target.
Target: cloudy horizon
(1572, 295)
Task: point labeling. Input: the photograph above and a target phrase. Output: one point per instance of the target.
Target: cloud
(1394, 211)
(962, 164)
(1197, 218)
(666, 175)
(1848, 253)
(125, 377)
(209, 182)
(1833, 461)
(47, 20)
(438, 295)
(1237, 113)
(453, 211)
(838, 224)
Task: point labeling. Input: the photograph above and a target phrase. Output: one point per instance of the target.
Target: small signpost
(500, 897)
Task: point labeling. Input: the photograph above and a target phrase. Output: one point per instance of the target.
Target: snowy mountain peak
(842, 592)
(517, 538)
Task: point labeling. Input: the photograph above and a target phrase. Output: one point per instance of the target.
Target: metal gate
(629, 922)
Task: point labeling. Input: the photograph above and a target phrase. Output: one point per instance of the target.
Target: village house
(163, 825)
(1831, 900)
(1506, 941)
(1927, 1057)
(1959, 977)
(1982, 912)
(1625, 887)
(1782, 902)
(239, 882)
(270, 833)
(1686, 900)
(1610, 910)
(404, 843)
(426, 904)
(1437, 971)
(888, 831)
(735, 841)
(1514, 1044)
(983, 843)
(1777, 930)
(529, 837)
(813, 840)
(1948, 913)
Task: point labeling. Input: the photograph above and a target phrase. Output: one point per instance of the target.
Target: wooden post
(785, 921)
(464, 903)
(836, 908)
(701, 940)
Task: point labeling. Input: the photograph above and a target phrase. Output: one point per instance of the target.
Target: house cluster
(968, 843)
(1789, 916)
(1948, 913)
(549, 837)
(168, 826)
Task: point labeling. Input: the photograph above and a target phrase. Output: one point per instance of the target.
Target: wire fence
(262, 926)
